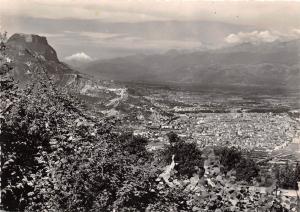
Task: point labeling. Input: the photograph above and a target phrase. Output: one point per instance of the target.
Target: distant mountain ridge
(271, 65)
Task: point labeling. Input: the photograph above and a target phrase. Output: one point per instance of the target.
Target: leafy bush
(29, 127)
(173, 137)
(134, 144)
(229, 157)
(187, 156)
(246, 170)
(95, 172)
(287, 176)
(232, 159)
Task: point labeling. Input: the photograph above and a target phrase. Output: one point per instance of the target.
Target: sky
(97, 29)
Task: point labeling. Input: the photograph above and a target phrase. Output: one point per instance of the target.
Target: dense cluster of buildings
(213, 120)
(247, 130)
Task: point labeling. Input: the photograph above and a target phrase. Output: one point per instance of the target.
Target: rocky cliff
(38, 44)
(32, 57)
(32, 54)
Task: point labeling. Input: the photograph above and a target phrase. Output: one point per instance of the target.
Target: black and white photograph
(149, 106)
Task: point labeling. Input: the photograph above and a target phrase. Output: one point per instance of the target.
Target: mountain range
(270, 65)
(274, 64)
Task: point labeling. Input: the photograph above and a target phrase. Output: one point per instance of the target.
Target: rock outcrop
(32, 58)
(38, 44)
(30, 53)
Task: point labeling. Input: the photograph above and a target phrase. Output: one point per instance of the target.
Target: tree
(229, 157)
(232, 159)
(173, 138)
(246, 170)
(288, 176)
(187, 156)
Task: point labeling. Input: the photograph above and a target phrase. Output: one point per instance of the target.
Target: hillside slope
(31, 55)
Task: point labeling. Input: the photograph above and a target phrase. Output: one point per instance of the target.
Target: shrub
(133, 144)
(288, 176)
(246, 170)
(187, 156)
(231, 158)
(96, 173)
(173, 137)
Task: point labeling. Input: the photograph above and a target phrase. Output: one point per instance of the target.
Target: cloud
(266, 36)
(100, 35)
(80, 56)
(251, 37)
(265, 14)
